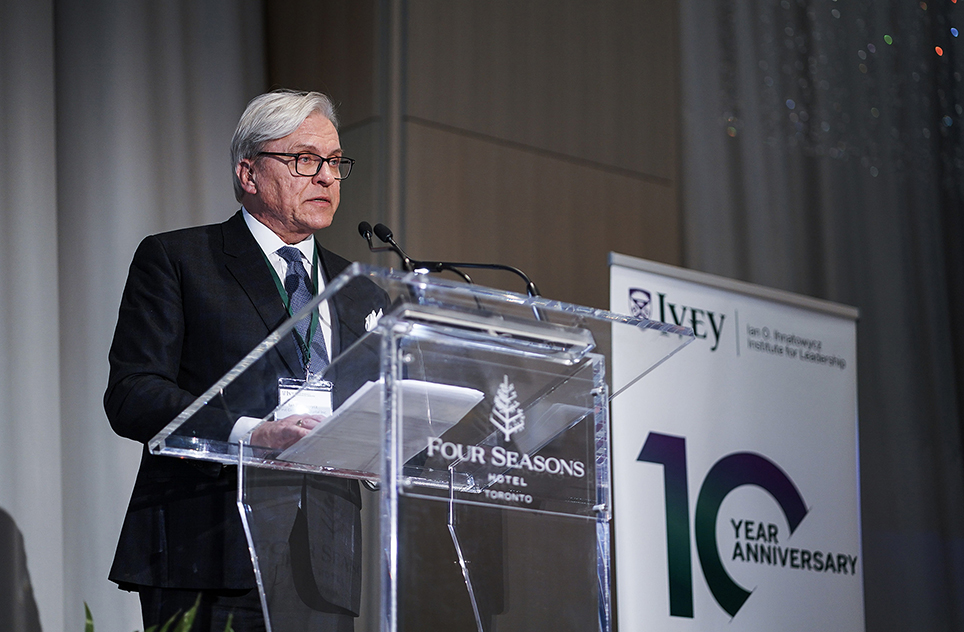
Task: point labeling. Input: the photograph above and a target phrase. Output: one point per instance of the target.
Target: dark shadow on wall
(18, 609)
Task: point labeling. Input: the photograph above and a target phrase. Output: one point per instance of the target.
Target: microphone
(365, 230)
(384, 233)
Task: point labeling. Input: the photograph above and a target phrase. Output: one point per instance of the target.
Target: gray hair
(271, 116)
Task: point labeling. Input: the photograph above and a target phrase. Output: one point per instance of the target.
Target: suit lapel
(348, 303)
(246, 263)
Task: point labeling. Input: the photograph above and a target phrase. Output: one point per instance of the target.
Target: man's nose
(326, 176)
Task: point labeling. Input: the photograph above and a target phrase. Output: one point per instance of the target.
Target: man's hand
(283, 433)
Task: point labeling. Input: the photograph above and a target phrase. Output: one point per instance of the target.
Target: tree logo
(506, 414)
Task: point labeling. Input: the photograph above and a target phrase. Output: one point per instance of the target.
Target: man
(197, 301)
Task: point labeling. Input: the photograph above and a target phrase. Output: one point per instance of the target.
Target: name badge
(298, 397)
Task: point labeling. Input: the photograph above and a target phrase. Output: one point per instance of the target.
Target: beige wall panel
(545, 131)
(359, 198)
(591, 79)
(327, 46)
(473, 200)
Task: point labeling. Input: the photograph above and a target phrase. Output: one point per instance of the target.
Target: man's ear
(245, 173)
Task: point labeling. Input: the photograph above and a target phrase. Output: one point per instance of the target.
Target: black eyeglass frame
(334, 162)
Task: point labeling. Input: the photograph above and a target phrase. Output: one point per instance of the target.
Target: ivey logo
(727, 474)
(640, 303)
(703, 322)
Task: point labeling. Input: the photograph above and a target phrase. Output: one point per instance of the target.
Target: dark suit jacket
(197, 301)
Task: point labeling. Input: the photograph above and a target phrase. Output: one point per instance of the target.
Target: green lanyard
(315, 320)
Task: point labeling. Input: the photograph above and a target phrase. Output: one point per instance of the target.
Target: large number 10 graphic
(732, 471)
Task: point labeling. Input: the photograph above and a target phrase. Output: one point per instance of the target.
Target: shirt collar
(270, 242)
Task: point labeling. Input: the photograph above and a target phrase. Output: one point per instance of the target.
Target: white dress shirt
(270, 243)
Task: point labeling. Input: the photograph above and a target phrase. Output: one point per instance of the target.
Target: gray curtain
(822, 155)
(120, 130)
(30, 448)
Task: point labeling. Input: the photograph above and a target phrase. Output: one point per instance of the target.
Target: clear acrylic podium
(480, 418)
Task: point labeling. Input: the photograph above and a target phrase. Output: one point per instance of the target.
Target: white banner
(735, 487)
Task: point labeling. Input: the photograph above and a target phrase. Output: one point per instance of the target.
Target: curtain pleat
(822, 155)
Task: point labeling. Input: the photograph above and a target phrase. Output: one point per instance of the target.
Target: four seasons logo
(508, 418)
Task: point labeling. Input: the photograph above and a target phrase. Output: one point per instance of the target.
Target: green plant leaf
(172, 621)
(180, 623)
(184, 625)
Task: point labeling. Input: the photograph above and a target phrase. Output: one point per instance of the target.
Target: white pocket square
(372, 319)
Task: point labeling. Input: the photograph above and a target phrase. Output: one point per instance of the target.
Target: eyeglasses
(309, 164)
